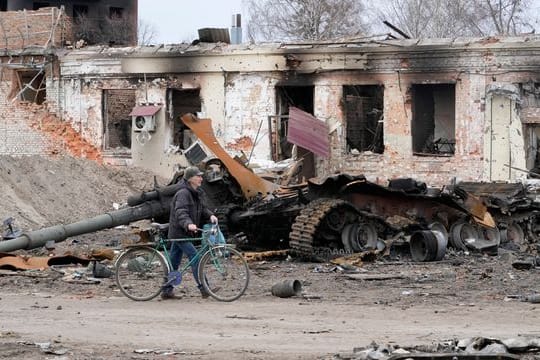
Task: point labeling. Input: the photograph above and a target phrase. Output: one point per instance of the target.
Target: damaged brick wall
(16, 135)
(118, 105)
(25, 28)
(244, 95)
(81, 106)
(398, 158)
(30, 129)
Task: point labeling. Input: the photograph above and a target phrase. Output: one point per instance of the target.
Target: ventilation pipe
(236, 29)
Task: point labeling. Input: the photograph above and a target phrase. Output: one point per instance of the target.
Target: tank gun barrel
(59, 233)
(166, 191)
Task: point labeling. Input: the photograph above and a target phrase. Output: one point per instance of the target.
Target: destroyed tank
(341, 213)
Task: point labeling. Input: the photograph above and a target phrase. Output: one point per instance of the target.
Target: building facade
(433, 110)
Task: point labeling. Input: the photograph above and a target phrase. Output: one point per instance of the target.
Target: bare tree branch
(146, 33)
(451, 18)
(304, 19)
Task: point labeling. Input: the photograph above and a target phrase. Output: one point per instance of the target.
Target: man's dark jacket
(187, 207)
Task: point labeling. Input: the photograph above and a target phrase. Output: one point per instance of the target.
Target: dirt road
(423, 305)
(253, 327)
(53, 314)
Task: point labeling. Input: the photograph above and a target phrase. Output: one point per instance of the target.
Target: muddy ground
(65, 312)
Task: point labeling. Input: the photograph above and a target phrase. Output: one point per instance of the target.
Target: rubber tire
(133, 278)
(224, 286)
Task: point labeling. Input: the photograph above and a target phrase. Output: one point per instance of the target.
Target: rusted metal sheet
(385, 201)
(146, 110)
(307, 131)
(9, 261)
(251, 184)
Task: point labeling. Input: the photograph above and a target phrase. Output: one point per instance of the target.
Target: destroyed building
(436, 110)
(112, 22)
(431, 109)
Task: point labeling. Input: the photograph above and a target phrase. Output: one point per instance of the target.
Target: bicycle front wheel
(224, 273)
(140, 273)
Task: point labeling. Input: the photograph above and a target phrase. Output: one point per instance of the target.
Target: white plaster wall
(81, 100)
(155, 153)
(249, 100)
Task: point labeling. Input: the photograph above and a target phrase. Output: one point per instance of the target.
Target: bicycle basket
(213, 237)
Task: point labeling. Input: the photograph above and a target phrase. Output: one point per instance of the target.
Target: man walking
(188, 213)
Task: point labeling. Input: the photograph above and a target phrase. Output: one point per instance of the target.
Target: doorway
(301, 97)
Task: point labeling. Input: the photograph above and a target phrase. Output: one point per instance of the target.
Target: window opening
(183, 102)
(39, 5)
(80, 11)
(364, 116)
(433, 119)
(116, 12)
(31, 86)
(530, 103)
(301, 97)
(117, 105)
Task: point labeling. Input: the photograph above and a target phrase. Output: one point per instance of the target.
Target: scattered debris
(160, 352)
(464, 349)
(287, 288)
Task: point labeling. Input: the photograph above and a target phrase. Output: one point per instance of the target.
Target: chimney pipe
(236, 29)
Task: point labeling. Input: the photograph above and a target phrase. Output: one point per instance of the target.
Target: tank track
(304, 229)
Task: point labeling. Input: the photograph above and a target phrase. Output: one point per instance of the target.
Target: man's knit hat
(191, 172)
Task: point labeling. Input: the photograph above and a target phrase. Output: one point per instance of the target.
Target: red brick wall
(43, 27)
(120, 102)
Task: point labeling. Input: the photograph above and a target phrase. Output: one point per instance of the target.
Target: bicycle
(142, 270)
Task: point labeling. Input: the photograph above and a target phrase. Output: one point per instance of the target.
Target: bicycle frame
(162, 243)
(143, 270)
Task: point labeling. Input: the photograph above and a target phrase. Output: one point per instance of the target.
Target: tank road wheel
(513, 234)
(335, 221)
(533, 229)
(359, 237)
(319, 227)
(462, 233)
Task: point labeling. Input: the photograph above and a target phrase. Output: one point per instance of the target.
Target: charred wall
(242, 92)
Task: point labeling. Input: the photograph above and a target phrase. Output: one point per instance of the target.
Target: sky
(177, 21)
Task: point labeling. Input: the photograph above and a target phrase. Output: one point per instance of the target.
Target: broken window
(30, 86)
(433, 119)
(182, 102)
(116, 12)
(364, 115)
(117, 104)
(80, 11)
(39, 5)
(301, 97)
(530, 117)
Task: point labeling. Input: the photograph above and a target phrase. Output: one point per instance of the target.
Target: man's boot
(168, 293)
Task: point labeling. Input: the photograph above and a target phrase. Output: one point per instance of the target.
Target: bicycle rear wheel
(224, 273)
(140, 273)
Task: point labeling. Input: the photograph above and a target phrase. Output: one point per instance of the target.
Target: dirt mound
(42, 191)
